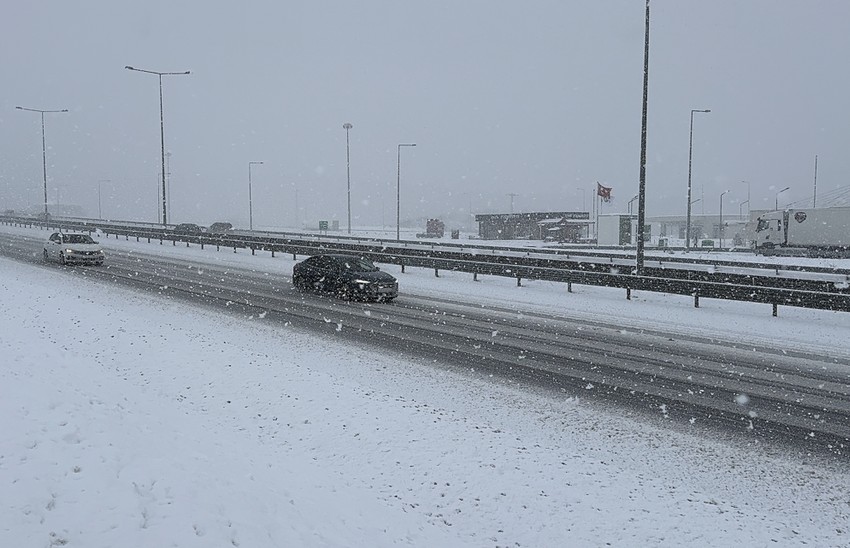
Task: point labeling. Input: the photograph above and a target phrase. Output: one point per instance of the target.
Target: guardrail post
(137, 238)
(775, 310)
(187, 243)
(217, 247)
(272, 253)
(696, 300)
(436, 273)
(234, 249)
(569, 286)
(519, 281)
(252, 250)
(475, 276)
(294, 258)
(202, 244)
(402, 267)
(173, 243)
(149, 239)
(628, 293)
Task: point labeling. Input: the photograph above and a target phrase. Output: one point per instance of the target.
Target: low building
(562, 226)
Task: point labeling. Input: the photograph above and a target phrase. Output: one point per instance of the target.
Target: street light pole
(99, 210)
(690, 163)
(348, 126)
(631, 202)
(776, 201)
(398, 193)
(161, 131)
(721, 217)
(43, 149)
(741, 206)
(748, 196)
(250, 199)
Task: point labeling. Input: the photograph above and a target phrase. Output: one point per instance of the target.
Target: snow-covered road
(129, 420)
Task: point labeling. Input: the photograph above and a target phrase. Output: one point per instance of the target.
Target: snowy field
(130, 421)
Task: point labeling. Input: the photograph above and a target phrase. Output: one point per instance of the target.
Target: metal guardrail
(585, 270)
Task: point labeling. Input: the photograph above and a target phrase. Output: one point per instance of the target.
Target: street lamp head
(128, 67)
(347, 126)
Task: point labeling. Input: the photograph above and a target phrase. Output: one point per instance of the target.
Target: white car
(68, 248)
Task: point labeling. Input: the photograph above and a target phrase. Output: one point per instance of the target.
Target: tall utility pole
(690, 162)
(642, 191)
(43, 150)
(161, 131)
(347, 127)
(398, 192)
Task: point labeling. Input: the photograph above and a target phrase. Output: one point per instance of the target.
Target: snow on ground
(136, 420)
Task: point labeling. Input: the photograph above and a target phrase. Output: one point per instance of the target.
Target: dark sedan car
(188, 229)
(348, 276)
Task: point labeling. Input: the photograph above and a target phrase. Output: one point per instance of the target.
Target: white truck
(821, 231)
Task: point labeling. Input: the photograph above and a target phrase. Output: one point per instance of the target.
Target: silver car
(68, 248)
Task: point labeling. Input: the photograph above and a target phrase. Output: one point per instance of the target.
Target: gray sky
(539, 98)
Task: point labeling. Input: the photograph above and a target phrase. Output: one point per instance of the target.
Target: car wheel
(62, 260)
(46, 257)
(345, 293)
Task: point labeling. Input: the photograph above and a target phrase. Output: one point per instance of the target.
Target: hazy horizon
(540, 100)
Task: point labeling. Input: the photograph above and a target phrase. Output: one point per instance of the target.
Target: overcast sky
(536, 98)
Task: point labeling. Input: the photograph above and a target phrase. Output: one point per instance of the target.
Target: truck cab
(771, 230)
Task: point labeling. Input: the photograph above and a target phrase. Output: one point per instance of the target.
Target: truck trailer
(817, 232)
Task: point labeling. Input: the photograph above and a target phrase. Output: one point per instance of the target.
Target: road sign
(323, 225)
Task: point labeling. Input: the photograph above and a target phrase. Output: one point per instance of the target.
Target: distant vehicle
(817, 231)
(434, 228)
(188, 229)
(68, 248)
(219, 229)
(347, 276)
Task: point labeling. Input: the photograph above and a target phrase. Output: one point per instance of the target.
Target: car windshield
(77, 239)
(359, 264)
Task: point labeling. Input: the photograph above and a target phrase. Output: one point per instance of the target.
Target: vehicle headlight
(362, 282)
(100, 251)
(69, 251)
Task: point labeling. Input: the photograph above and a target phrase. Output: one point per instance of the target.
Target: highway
(759, 388)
